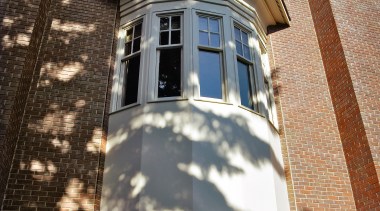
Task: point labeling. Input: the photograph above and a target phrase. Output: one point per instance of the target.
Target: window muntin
(131, 63)
(210, 54)
(245, 69)
(169, 51)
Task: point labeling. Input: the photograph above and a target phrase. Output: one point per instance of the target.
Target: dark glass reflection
(210, 74)
(169, 78)
(164, 38)
(137, 30)
(131, 80)
(136, 44)
(129, 35)
(164, 23)
(128, 48)
(245, 37)
(176, 22)
(245, 85)
(176, 37)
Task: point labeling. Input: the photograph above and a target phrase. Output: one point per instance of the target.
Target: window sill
(211, 100)
(166, 100)
(252, 111)
(125, 108)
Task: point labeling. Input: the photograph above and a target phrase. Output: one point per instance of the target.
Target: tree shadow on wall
(181, 161)
(58, 153)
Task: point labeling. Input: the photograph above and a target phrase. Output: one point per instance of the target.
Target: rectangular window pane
(176, 37)
(214, 25)
(164, 38)
(210, 74)
(237, 34)
(128, 48)
(136, 45)
(203, 24)
(137, 30)
(131, 80)
(164, 23)
(214, 40)
(203, 38)
(239, 48)
(245, 85)
(169, 76)
(176, 22)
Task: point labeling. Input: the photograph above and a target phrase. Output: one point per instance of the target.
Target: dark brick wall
(316, 160)
(350, 54)
(22, 24)
(56, 160)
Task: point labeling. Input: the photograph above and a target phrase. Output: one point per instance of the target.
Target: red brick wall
(317, 163)
(56, 160)
(350, 53)
(22, 24)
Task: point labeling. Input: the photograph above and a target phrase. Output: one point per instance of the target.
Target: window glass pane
(203, 25)
(176, 37)
(164, 23)
(214, 25)
(244, 37)
(164, 38)
(138, 30)
(203, 38)
(214, 40)
(128, 47)
(237, 34)
(136, 45)
(247, 54)
(131, 80)
(210, 74)
(169, 76)
(176, 22)
(129, 35)
(239, 48)
(245, 85)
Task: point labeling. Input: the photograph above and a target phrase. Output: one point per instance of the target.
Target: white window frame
(155, 53)
(118, 87)
(197, 47)
(251, 65)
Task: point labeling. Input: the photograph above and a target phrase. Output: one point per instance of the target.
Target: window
(169, 53)
(210, 57)
(131, 63)
(246, 74)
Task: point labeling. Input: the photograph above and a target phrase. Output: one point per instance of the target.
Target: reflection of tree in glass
(169, 80)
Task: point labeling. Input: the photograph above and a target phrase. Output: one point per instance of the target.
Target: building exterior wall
(21, 32)
(55, 162)
(351, 65)
(56, 66)
(317, 164)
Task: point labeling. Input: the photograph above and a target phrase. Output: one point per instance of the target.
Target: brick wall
(21, 30)
(317, 164)
(350, 53)
(56, 160)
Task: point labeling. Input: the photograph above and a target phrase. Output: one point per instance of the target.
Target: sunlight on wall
(64, 145)
(21, 39)
(138, 183)
(43, 171)
(94, 144)
(74, 198)
(61, 71)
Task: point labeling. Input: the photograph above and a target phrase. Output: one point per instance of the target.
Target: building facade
(189, 105)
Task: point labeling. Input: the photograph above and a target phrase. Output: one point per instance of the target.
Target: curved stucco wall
(192, 154)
